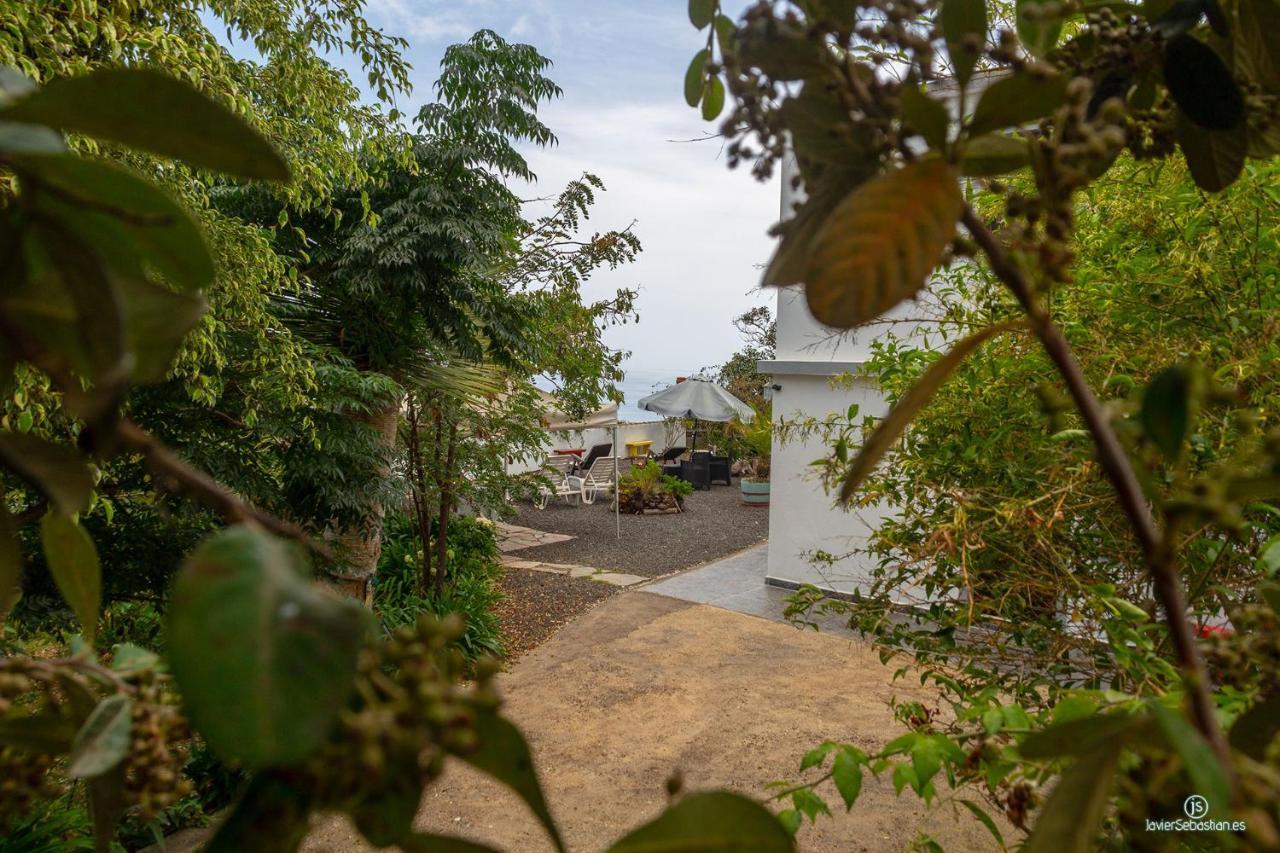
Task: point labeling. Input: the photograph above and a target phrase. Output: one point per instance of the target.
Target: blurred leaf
(726, 32)
(1077, 737)
(157, 321)
(1269, 556)
(1039, 23)
(926, 116)
(895, 423)
(10, 563)
(504, 755)
(1215, 158)
(1198, 758)
(73, 562)
(270, 817)
(128, 658)
(981, 814)
(964, 26)
(1069, 821)
(694, 78)
(1255, 729)
(125, 218)
(103, 740)
(1014, 101)
(428, 842)
(46, 733)
(265, 661)
(881, 243)
(701, 12)
(780, 49)
(386, 809)
(1166, 411)
(106, 806)
(713, 98)
(707, 823)
(1177, 17)
(993, 154)
(152, 112)
(1201, 84)
(17, 138)
(55, 470)
(816, 756)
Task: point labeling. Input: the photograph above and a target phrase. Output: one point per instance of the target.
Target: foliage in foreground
(103, 278)
(1055, 615)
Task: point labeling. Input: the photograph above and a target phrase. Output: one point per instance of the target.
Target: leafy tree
(1072, 572)
(740, 374)
(102, 274)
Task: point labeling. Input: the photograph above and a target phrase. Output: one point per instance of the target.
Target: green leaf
(904, 775)
(157, 321)
(701, 12)
(726, 32)
(73, 562)
(964, 27)
(1198, 758)
(152, 112)
(1017, 100)
(926, 759)
(1201, 84)
(981, 814)
(128, 658)
(426, 842)
(791, 819)
(809, 804)
(103, 740)
(504, 755)
(1269, 556)
(926, 116)
(1269, 591)
(879, 246)
(1039, 23)
(816, 756)
(270, 817)
(694, 78)
(55, 470)
(1077, 737)
(890, 429)
(385, 812)
(993, 154)
(46, 733)
(1215, 158)
(125, 218)
(1255, 729)
(16, 139)
(846, 773)
(707, 823)
(106, 806)
(992, 721)
(10, 564)
(1069, 821)
(265, 661)
(713, 98)
(1166, 411)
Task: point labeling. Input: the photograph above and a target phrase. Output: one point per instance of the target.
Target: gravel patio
(714, 524)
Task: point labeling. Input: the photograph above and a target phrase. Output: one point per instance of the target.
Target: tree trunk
(358, 548)
(446, 507)
(418, 490)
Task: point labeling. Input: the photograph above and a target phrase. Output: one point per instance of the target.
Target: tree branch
(1115, 463)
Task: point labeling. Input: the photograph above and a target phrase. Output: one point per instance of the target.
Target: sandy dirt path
(644, 685)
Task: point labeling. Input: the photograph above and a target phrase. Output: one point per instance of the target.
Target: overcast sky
(621, 64)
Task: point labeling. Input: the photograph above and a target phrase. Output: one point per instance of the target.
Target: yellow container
(637, 449)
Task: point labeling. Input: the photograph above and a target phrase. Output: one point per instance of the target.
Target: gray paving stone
(618, 578)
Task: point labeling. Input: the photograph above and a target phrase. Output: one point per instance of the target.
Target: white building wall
(802, 517)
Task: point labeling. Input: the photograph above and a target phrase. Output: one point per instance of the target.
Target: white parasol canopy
(700, 399)
(557, 421)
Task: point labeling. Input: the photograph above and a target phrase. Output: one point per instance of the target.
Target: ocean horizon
(639, 383)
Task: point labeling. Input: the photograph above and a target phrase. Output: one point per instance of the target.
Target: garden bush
(470, 588)
(646, 487)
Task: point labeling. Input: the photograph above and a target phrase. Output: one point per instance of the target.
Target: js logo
(1195, 806)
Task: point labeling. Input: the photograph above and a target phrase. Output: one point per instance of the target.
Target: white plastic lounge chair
(599, 477)
(556, 468)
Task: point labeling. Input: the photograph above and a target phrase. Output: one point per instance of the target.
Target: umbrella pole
(617, 498)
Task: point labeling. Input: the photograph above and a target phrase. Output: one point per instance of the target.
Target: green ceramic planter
(755, 493)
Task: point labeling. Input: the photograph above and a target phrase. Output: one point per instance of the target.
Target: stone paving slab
(612, 578)
(512, 537)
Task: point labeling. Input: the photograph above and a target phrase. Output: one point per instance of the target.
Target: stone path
(512, 537)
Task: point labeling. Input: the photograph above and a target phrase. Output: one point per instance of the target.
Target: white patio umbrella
(700, 399)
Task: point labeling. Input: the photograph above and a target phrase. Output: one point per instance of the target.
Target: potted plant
(758, 438)
(645, 490)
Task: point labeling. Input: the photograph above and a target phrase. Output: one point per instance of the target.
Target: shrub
(471, 587)
(646, 487)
